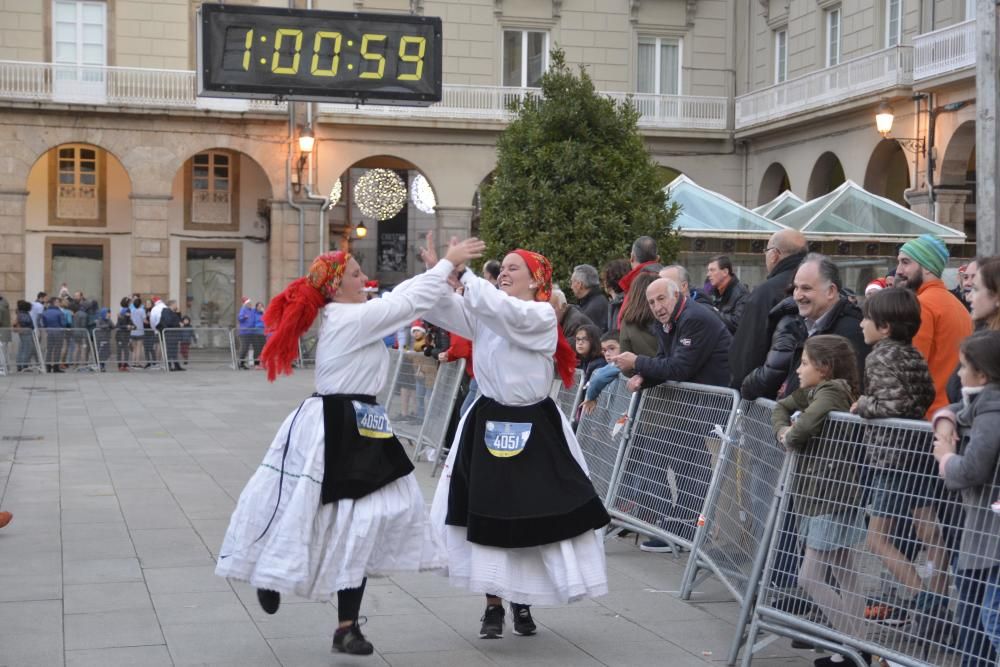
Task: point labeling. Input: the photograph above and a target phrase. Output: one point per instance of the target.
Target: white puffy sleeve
(450, 314)
(528, 324)
(380, 317)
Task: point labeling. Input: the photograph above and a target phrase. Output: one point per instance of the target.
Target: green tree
(574, 180)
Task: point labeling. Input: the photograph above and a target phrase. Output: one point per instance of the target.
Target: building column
(150, 244)
(950, 207)
(920, 202)
(452, 221)
(283, 251)
(12, 211)
(987, 137)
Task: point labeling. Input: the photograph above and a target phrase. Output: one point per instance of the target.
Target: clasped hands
(459, 252)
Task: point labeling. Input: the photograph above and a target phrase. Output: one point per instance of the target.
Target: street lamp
(306, 142)
(883, 123)
(361, 230)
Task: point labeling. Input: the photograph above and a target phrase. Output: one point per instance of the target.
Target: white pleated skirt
(313, 550)
(550, 574)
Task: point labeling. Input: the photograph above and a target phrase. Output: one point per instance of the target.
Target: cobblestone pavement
(122, 485)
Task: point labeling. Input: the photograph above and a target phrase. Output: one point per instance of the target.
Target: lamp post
(306, 142)
(883, 123)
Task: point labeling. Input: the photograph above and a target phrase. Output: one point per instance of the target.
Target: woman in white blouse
(335, 499)
(515, 515)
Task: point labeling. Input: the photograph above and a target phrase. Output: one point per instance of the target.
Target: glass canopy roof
(780, 205)
(850, 211)
(706, 211)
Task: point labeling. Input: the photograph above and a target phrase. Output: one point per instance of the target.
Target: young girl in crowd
(898, 384)
(966, 446)
(588, 350)
(826, 491)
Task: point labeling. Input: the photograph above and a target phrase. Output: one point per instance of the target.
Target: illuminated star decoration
(422, 195)
(380, 193)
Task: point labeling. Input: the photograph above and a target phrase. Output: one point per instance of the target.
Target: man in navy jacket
(694, 347)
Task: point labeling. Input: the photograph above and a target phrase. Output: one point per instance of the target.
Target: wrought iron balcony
(854, 78)
(944, 51)
(177, 89)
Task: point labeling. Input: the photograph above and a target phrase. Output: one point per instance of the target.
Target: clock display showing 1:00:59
(309, 54)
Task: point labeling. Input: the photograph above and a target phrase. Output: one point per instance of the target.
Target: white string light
(380, 193)
(422, 194)
(335, 192)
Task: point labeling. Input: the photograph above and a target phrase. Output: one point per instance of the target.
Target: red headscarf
(541, 272)
(291, 313)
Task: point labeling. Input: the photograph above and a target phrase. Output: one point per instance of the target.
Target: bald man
(784, 252)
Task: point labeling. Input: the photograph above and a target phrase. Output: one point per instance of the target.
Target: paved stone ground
(121, 496)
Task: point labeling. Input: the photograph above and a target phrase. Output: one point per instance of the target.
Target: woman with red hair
(335, 499)
(515, 515)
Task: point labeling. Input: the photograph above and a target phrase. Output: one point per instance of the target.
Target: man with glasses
(784, 252)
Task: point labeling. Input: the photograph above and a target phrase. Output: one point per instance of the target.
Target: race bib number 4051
(506, 439)
(372, 420)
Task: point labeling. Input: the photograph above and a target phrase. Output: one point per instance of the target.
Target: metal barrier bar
(667, 470)
(385, 393)
(66, 348)
(199, 347)
(568, 398)
(405, 405)
(439, 409)
(307, 346)
(19, 351)
(251, 344)
(881, 586)
(602, 434)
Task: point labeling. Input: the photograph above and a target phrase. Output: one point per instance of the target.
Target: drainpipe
(931, 122)
(288, 187)
(308, 185)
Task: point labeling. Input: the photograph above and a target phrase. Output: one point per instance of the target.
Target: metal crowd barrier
(19, 351)
(249, 343)
(199, 346)
(669, 463)
(439, 409)
(902, 605)
(385, 393)
(602, 434)
(307, 345)
(568, 398)
(406, 403)
(66, 349)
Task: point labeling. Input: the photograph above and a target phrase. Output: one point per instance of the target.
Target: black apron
(355, 464)
(513, 489)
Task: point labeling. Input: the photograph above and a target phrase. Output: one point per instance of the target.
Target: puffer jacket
(765, 381)
(826, 475)
(845, 321)
(897, 385)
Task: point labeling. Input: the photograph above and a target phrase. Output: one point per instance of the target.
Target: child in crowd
(898, 384)
(602, 377)
(967, 447)
(826, 488)
(187, 336)
(588, 350)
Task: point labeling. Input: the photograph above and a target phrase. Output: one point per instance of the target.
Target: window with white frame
(659, 66)
(78, 186)
(79, 33)
(525, 57)
(780, 55)
(833, 37)
(893, 22)
(212, 188)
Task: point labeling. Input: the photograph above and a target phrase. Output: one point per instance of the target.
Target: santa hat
(246, 300)
(418, 326)
(371, 286)
(875, 286)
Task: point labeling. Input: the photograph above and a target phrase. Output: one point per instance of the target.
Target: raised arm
(528, 324)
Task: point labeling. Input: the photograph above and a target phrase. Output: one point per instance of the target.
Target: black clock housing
(298, 54)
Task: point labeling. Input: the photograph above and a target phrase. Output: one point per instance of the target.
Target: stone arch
(961, 146)
(774, 182)
(888, 172)
(827, 174)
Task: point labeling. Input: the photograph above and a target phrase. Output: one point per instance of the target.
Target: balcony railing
(135, 87)
(943, 51)
(493, 102)
(855, 78)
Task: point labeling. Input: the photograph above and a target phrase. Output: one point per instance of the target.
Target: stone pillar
(987, 131)
(150, 244)
(454, 221)
(950, 207)
(283, 252)
(12, 203)
(919, 202)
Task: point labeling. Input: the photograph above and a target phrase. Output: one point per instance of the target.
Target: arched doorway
(888, 172)
(827, 175)
(958, 174)
(775, 182)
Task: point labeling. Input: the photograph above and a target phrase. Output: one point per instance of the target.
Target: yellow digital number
(276, 59)
(335, 63)
(247, 43)
(417, 58)
(372, 56)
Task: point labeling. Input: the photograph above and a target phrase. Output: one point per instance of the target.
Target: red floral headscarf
(541, 272)
(291, 313)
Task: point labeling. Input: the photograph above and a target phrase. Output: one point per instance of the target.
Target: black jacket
(169, 320)
(765, 380)
(753, 337)
(731, 303)
(572, 320)
(695, 349)
(846, 322)
(595, 306)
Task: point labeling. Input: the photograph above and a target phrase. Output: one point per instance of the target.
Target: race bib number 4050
(372, 420)
(506, 439)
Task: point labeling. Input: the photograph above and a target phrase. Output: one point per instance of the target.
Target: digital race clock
(269, 53)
